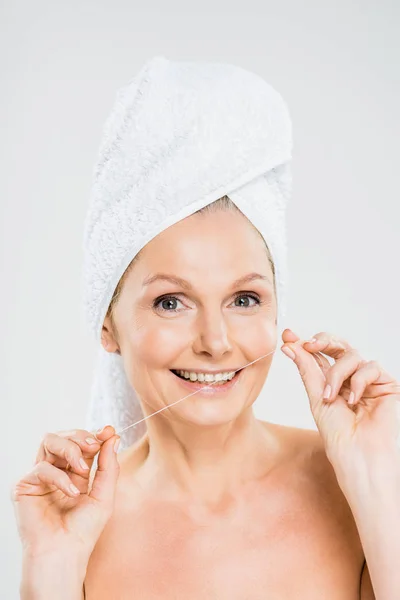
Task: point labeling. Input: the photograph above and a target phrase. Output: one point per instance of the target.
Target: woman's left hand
(370, 423)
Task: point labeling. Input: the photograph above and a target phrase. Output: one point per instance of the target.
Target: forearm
(50, 578)
(373, 493)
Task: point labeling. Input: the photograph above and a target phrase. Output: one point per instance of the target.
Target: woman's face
(206, 322)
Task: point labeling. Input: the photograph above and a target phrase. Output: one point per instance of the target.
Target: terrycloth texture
(180, 135)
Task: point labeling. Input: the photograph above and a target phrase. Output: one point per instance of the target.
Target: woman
(211, 502)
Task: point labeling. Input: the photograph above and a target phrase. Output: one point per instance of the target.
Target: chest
(281, 550)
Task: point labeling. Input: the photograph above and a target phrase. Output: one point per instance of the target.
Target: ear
(108, 340)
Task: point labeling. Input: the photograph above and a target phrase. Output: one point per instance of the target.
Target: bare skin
(245, 510)
(213, 503)
(287, 534)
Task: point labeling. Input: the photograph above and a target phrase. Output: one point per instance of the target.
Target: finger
(105, 479)
(86, 440)
(322, 361)
(105, 433)
(288, 336)
(43, 479)
(370, 380)
(328, 344)
(63, 453)
(344, 368)
(309, 370)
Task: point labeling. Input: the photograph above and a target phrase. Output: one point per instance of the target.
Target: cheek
(155, 345)
(259, 337)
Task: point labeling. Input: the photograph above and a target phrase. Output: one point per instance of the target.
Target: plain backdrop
(337, 66)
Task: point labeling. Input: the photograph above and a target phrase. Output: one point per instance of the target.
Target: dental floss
(192, 394)
(180, 400)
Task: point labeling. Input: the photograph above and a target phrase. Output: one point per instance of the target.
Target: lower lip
(214, 388)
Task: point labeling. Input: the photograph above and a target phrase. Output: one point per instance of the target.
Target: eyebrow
(186, 285)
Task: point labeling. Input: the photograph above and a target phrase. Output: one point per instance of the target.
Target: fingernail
(116, 445)
(83, 464)
(100, 430)
(74, 489)
(91, 441)
(327, 392)
(311, 341)
(351, 398)
(289, 352)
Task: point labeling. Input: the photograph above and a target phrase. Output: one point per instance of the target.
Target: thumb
(106, 476)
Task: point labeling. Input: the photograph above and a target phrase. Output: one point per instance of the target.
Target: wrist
(46, 577)
(365, 475)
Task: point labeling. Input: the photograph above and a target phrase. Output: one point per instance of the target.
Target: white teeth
(206, 377)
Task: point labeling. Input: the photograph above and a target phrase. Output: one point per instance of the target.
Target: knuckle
(49, 439)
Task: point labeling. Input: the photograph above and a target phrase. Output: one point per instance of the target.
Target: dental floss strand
(184, 398)
(188, 396)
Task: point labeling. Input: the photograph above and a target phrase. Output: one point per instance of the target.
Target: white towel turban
(180, 135)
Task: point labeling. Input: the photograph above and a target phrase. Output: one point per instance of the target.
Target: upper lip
(209, 371)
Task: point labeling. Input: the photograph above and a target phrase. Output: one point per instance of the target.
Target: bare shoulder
(306, 455)
(310, 467)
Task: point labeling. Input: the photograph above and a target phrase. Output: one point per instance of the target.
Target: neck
(208, 464)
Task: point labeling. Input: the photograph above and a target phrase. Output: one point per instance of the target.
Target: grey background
(337, 66)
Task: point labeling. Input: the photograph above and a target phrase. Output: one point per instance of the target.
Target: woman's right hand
(56, 512)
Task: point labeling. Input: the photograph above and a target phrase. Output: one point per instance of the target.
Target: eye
(252, 296)
(168, 304)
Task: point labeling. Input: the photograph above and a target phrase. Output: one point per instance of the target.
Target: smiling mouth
(205, 383)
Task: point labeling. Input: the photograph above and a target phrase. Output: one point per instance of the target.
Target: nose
(212, 335)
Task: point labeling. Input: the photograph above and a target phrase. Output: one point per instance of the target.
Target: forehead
(223, 242)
